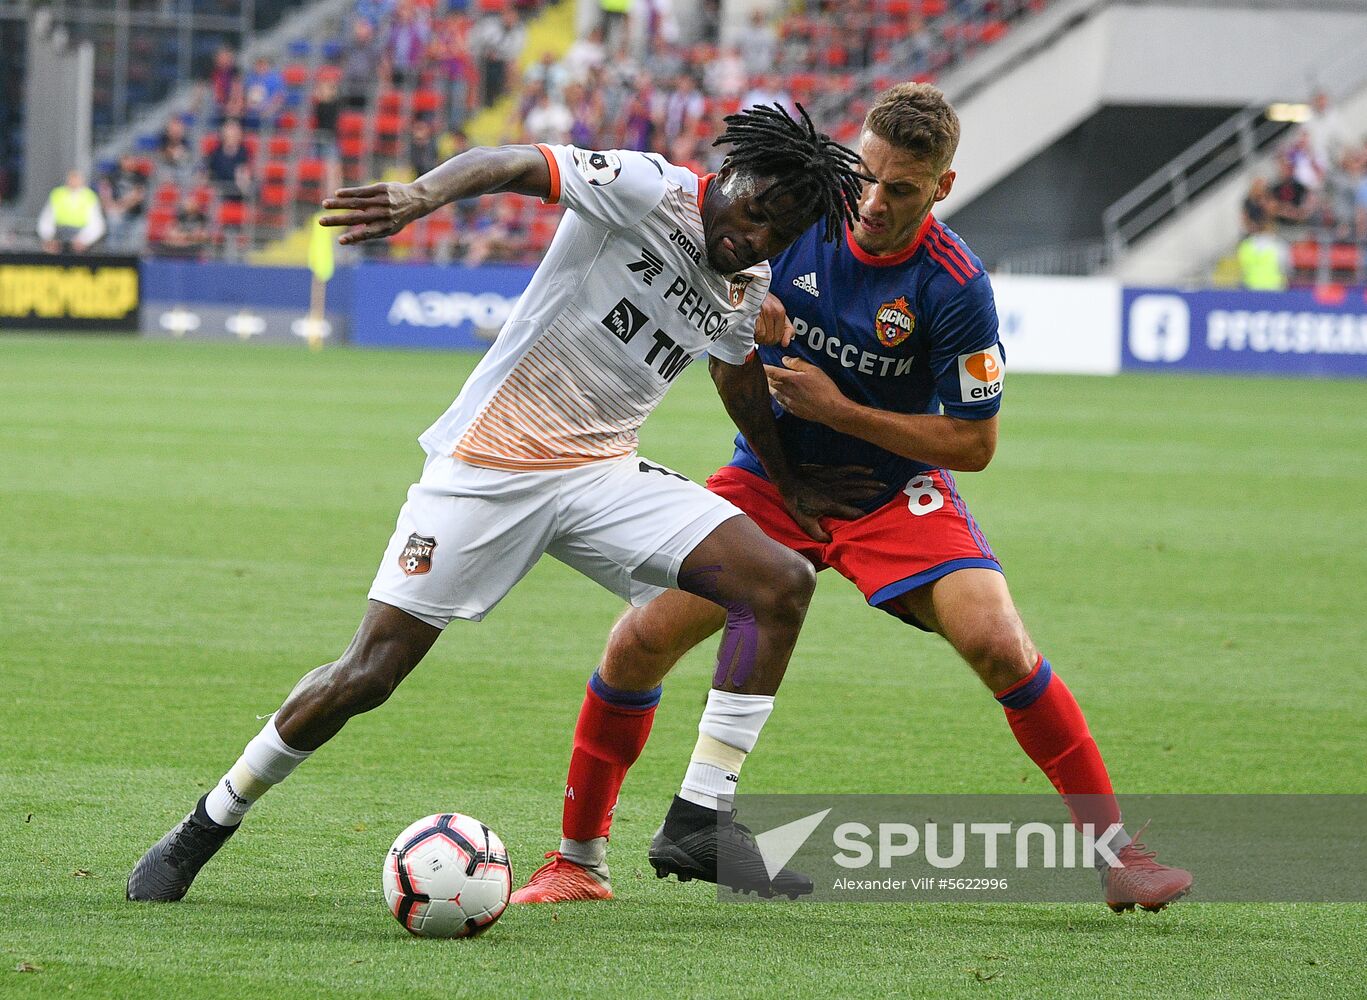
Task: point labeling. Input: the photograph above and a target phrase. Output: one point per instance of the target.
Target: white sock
(727, 733)
(265, 762)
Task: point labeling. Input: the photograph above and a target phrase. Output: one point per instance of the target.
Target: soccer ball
(447, 876)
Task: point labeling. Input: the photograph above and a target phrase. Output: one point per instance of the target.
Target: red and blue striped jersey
(912, 332)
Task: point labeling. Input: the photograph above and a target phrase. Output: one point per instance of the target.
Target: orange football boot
(562, 881)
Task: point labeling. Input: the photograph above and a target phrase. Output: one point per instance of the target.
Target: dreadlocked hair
(811, 167)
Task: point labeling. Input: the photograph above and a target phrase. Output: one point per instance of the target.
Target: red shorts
(920, 535)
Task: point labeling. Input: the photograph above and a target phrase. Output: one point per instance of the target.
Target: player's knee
(637, 656)
(788, 589)
(999, 654)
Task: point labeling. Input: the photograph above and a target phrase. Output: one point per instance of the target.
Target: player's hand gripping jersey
(910, 333)
(623, 301)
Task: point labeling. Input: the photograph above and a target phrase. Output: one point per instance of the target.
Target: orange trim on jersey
(703, 181)
(889, 260)
(554, 197)
(537, 465)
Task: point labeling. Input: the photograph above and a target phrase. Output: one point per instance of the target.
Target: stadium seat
(232, 214)
(390, 103)
(350, 124)
(388, 129)
(310, 178)
(159, 219)
(280, 146)
(166, 196)
(425, 102)
(296, 75)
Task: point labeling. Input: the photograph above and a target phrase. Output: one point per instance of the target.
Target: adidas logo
(807, 282)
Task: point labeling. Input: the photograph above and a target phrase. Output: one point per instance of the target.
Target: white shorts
(468, 534)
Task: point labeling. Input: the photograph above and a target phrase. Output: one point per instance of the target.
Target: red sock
(1050, 727)
(611, 732)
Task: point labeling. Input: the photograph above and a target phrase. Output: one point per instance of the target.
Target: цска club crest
(894, 322)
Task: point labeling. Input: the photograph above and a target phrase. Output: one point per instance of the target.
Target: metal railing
(1230, 147)
(1240, 143)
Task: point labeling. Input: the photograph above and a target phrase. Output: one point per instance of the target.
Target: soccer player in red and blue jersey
(889, 376)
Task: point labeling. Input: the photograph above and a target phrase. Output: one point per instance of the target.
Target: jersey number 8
(922, 496)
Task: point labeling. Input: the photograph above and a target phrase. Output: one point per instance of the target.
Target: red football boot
(562, 881)
(1142, 881)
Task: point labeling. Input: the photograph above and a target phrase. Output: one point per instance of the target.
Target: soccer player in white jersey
(651, 267)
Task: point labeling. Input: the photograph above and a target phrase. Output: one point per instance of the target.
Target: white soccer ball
(447, 876)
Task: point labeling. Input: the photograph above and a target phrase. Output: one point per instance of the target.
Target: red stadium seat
(252, 144)
(1343, 257)
(166, 196)
(280, 146)
(311, 176)
(158, 221)
(388, 128)
(207, 145)
(351, 148)
(332, 73)
(275, 172)
(232, 214)
(287, 121)
(1305, 255)
(390, 103)
(296, 75)
(350, 124)
(425, 102)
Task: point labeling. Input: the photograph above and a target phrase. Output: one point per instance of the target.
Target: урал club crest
(739, 283)
(894, 322)
(416, 557)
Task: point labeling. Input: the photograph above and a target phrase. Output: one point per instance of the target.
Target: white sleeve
(94, 227)
(616, 188)
(735, 346)
(47, 226)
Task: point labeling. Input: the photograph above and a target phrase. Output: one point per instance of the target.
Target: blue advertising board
(431, 306)
(1242, 332)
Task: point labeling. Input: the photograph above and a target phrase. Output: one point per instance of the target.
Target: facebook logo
(1159, 328)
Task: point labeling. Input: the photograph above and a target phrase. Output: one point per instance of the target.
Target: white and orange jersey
(623, 301)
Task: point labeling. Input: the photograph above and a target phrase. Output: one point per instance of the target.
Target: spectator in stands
(1324, 138)
(586, 110)
(768, 90)
(585, 55)
(375, 13)
(188, 234)
(549, 74)
(360, 65)
(263, 94)
(71, 221)
(454, 71)
(638, 129)
(225, 83)
(1360, 195)
(123, 197)
(409, 34)
(1291, 201)
(549, 120)
(174, 149)
(759, 42)
(327, 104)
(1264, 259)
(684, 108)
(726, 76)
(613, 25)
(497, 239)
(228, 165)
(422, 147)
(1257, 207)
(497, 42)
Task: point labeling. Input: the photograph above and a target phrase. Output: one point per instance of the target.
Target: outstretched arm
(381, 210)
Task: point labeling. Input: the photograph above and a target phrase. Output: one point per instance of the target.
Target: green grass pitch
(187, 528)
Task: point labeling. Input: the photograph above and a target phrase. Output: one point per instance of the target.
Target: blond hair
(917, 118)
